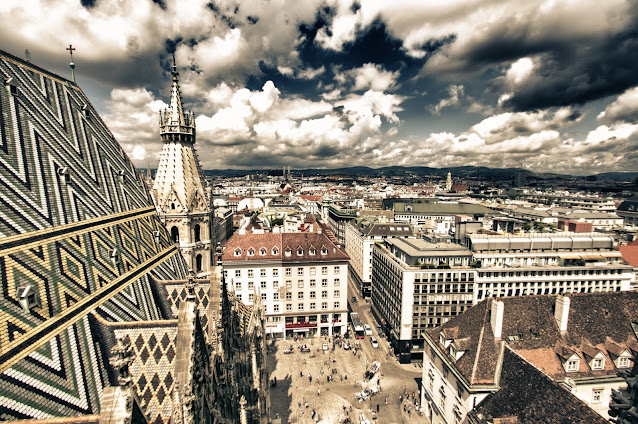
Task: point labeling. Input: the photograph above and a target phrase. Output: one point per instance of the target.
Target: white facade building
(301, 279)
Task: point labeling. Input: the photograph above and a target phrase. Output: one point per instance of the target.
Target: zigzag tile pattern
(74, 217)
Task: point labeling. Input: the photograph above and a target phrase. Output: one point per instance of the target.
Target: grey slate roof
(527, 396)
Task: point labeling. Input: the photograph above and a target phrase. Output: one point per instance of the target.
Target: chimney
(496, 318)
(561, 312)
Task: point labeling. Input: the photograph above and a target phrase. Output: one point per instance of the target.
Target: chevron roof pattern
(78, 232)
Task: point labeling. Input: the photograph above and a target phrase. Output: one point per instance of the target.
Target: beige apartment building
(301, 279)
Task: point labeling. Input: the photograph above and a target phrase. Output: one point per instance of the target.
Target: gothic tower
(178, 191)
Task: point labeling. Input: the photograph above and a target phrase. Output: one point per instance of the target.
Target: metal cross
(70, 49)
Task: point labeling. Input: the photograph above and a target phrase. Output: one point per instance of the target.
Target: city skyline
(549, 86)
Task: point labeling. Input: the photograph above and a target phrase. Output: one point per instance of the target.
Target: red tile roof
(237, 248)
(630, 254)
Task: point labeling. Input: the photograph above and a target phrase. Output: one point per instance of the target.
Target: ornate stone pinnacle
(190, 285)
(123, 356)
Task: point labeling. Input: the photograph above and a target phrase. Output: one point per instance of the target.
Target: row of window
(300, 284)
(502, 274)
(313, 294)
(595, 364)
(250, 273)
(555, 289)
(300, 306)
(313, 306)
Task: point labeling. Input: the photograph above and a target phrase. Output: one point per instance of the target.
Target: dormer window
(250, 252)
(275, 251)
(115, 256)
(288, 252)
(262, 251)
(312, 252)
(11, 87)
(571, 365)
(299, 252)
(238, 252)
(597, 363)
(324, 251)
(623, 362)
(27, 297)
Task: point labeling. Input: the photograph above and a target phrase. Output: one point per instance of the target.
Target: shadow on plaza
(280, 400)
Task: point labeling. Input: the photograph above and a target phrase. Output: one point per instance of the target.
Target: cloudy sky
(549, 85)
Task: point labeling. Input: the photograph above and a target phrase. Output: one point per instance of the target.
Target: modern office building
(360, 236)
(418, 285)
(550, 263)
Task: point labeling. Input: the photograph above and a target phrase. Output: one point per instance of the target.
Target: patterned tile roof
(82, 231)
(81, 419)
(152, 370)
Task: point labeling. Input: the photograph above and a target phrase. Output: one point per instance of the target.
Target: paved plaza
(302, 384)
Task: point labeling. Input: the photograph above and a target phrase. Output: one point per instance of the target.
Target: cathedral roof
(81, 231)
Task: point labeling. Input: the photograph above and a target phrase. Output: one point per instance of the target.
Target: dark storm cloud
(372, 44)
(580, 73)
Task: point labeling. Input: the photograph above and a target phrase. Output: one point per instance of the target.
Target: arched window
(275, 251)
(175, 234)
(173, 206)
(262, 251)
(238, 252)
(197, 233)
(198, 263)
(251, 251)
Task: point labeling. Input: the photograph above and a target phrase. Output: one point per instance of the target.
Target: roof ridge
(478, 347)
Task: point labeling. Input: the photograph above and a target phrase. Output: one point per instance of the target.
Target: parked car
(374, 342)
(367, 329)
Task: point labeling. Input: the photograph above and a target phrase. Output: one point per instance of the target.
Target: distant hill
(617, 176)
(461, 171)
(391, 171)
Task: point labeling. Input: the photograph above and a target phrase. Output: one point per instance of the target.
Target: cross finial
(72, 65)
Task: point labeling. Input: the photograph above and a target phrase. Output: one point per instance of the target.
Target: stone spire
(178, 184)
(178, 188)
